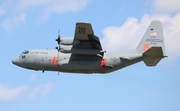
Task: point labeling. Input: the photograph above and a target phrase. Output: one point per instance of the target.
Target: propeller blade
(58, 33)
(58, 40)
(57, 48)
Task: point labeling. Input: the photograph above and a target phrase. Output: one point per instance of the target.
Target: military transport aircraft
(84, 54)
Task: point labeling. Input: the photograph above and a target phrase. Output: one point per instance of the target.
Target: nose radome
(15, 61)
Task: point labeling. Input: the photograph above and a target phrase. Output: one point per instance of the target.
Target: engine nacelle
(69, 41)
(70, 49)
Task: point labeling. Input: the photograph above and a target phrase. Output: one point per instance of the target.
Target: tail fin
(152, 44)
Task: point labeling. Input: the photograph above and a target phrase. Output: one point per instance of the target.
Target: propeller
(58, 47)
(58, 40)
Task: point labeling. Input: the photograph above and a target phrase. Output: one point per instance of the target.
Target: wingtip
(78, 23)
(157, 21)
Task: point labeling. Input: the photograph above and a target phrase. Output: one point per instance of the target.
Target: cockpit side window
(23, 57)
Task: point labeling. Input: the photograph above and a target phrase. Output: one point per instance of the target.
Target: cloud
(33, 77)
(7, 93)
(2, 11)
(61, 6)
(14, 22)
(130, 33)
(22, 4)
(43, 9)
(121, 37)
(42, 90)
(48, 7)
(166, 6)
(3, 6)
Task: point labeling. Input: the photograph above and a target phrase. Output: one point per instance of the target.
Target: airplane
(84, 54)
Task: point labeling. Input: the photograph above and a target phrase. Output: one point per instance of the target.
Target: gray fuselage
(52, 60)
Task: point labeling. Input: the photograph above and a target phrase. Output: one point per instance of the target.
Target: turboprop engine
(69, 41)
(73, 50)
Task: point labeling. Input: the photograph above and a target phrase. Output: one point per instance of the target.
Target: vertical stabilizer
(152, 44)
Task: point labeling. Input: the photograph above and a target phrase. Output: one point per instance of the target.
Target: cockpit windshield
(25, 52)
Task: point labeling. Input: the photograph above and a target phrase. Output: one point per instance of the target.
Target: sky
(120, 25)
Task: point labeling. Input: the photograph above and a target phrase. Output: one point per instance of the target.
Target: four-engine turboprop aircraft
(84, 54)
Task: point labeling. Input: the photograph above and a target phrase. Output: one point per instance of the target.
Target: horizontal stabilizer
(152, 56)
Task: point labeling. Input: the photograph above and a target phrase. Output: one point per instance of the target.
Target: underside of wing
(88, 43)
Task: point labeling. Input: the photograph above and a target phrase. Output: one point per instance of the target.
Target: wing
(85, 42)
